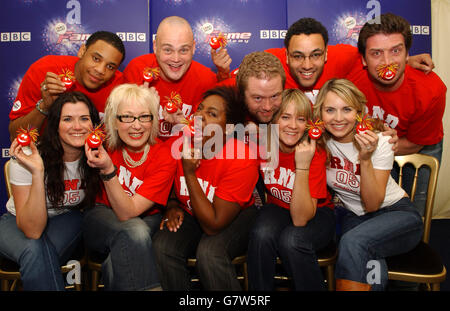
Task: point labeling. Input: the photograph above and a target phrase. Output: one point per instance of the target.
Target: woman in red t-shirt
(210, 217)
(137, 173)
(298, 218)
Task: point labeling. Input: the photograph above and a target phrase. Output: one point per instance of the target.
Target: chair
(326, 258)
(9, 270)
(422, 264)
(237, 261)
(94, 265)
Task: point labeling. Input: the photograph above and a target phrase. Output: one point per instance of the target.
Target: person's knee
(208, 251)
(33, 250)
(135, 233)
(294, 238)
(261, 232)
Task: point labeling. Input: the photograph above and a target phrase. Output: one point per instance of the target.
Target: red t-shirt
(153, 179)
(30, 87)
(415, 109)
(189, 88)
(280, 182)
(341, 58)
(230, 178)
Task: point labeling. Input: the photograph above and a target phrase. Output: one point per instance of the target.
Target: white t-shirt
(20, 176)
(343, 173)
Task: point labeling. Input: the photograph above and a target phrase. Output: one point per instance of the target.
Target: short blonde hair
(138, 95)
(302, 104)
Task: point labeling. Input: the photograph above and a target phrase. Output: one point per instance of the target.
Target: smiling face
(212, 110)
(74, 126)
(97, 64)
(291, 128)
(306, 57)
(134, 135)
(339, 118)
(263, 97)
(174, 49)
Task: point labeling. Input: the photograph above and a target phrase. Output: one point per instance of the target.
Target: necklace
(130, 162)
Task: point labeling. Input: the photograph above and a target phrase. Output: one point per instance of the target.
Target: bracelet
(106, 177)
(38, 107)
(302, 169)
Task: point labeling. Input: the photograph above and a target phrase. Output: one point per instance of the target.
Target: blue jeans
(130, 262)
(40, 259)
(214, 253)
(273, 234)
(422, 177)
(370, 238)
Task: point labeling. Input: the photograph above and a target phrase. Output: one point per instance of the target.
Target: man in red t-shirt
(94, 73)
(408, 100)
(179, 80)
(309, 61)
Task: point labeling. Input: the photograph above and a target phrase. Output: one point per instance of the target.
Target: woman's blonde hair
(138, 95)
(351, 95)
(303, 107)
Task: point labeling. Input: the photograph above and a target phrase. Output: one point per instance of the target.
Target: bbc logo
(5, 153)
(420, 30)
(15, 36)
(132, 36)
(272, 34)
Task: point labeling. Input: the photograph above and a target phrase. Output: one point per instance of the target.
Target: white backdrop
(440, 28)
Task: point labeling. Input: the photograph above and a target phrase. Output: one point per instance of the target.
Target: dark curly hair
(389, 24)
(235, 108)
(110, 38)
(52, 152)
(306, 26)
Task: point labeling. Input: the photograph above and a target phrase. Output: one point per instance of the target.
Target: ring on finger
(166, 220)
(44, 87)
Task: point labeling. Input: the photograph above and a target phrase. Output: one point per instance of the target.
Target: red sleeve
(426, 128)
(30, 88)
(133, 73)
(318, 175)
(238, 183)
(343, 58)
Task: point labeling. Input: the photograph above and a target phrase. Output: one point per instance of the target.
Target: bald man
(177, 78)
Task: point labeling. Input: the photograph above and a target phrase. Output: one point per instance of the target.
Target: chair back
(6, 174)
(418, 160)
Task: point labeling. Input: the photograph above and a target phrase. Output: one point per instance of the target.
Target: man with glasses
(309, 61)
(179, 80)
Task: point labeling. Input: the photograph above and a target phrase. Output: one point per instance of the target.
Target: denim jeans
(370, 238)
(214, 253)
(130, 262)
(40, 259)
(420, 198)
(273, 234)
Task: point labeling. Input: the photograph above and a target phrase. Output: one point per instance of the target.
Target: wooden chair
(422, 264)
(9, 270)
(240, 261)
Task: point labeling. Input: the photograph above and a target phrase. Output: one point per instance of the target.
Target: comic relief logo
(206, 29)
(61, 38)
(347, 26)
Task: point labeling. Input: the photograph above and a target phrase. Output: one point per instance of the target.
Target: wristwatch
(38, 107)
(106, 177)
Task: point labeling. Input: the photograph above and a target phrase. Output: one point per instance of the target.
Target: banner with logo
(248, 26)
(343, 20)
(30, 29)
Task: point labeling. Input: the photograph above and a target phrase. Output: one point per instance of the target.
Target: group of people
(150, 196)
